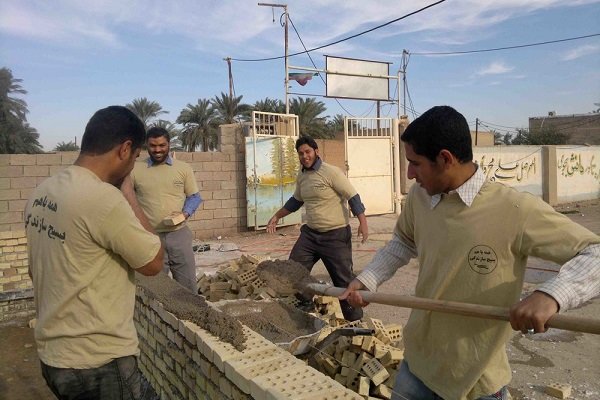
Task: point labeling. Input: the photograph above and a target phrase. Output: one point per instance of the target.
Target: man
(165, 186)
(85, 239)
(324, 191)
(472, 239)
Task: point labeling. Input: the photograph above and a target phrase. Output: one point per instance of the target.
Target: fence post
(549, 172)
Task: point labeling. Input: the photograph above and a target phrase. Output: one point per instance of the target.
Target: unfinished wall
(16, 294)
(333, 151)
(183, 361)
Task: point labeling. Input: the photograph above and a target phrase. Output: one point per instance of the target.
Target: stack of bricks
(365, 364)
(183, 361)
(13, 261)
(238, 280)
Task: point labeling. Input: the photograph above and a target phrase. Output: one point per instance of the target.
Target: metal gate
(370, 158)
(271, 167)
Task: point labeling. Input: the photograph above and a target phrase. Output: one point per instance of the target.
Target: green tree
(291, 166)
(69, 146)
(16, 135)
(146, 110)
(539, 137)
(269, 105)
(507, 138)
(228, 109)
(199, 126)
(309, 120)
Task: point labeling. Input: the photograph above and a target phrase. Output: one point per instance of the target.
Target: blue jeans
(409, 387)
(119, 379)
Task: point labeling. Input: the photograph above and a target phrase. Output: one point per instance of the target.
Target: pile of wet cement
(284, 275)
(277, 322)
(188, 306)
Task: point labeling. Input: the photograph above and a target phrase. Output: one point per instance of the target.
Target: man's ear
(124, 150)
(317, 152)
(446, 158)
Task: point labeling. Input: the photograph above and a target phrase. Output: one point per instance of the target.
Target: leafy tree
(16, 135)
(228, 109)
(498, 137)
(336, 124)
(507, 138)
(269, 105)
(199, 126)
(545, 136)
(308, 112)
(70, 146)
(146, 110)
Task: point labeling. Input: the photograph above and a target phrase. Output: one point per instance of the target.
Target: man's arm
(289, 207)
(395, 254)
(358, 209)
(191, 204)
(154, 266)
(577, 281)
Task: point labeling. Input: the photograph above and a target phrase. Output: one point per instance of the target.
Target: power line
(442, 53)
(344, 39)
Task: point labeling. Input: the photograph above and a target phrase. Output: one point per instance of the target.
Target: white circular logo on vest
(482, 259)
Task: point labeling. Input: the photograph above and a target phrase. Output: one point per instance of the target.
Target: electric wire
(343, 39)
(447, 53)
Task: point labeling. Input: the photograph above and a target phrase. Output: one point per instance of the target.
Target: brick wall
(333, 151)
(16, 295)
(220, 175)
(183, 361)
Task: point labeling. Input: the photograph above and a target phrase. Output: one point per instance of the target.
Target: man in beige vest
(166, 188)
(472, 238)
(85, 240)
(326, 193)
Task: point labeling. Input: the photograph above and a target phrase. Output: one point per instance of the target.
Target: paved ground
(557, 356)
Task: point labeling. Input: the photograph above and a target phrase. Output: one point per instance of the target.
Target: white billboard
(342, 81)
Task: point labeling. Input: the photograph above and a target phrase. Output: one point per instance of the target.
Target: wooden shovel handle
(558, 321)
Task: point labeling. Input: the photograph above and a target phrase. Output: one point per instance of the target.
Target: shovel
(558, 321)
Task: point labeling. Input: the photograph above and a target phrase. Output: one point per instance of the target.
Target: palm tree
(16, 135)
(70, 146)
(308, 112)
(146, 110)
(229, 109)
(199, 126)
(269, 105)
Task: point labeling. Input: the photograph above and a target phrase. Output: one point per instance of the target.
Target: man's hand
(127, 186)
(351, 294)
(533, 312)
(363, 228)
(272, 225)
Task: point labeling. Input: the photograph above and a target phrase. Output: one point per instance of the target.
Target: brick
(202, 176)
(11, 218)
(10, 194)
(48, 159)
(4, 159)
(26, 193)
(68, 157)
(11, 171)
(22, 159)
(36, 170)
(17, 205)
(4, 183)
(54, 169)
(211, 166)
(23, 182)
(558, 390)
(3, 206)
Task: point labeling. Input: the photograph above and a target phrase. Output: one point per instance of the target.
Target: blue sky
(78, 56)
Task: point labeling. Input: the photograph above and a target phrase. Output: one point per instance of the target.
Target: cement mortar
(277, 322)
(284, 275)
(191, 307)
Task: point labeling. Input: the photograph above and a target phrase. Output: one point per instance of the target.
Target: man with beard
(85, 240)
(326, 193)
(164, 187)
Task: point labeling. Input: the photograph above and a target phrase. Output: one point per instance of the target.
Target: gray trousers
(179, 257)
(334, 248)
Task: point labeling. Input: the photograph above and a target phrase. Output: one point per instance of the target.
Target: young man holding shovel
(324, 190)
(472, 239)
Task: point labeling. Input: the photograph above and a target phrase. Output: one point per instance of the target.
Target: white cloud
(580, 51)
(495, 68)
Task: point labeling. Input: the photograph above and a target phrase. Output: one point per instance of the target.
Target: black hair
(110, 127)
(440, 127)
(306, 140)
(157, 131)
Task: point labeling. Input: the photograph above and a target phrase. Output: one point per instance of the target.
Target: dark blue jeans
(119, 379)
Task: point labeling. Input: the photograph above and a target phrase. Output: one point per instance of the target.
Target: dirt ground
(536, 360)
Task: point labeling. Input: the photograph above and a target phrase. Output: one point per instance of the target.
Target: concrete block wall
(16, 294)
(333, 151)
(183, 361)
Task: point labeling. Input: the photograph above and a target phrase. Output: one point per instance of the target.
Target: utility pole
(228, 59)
(404, 64)
(286, 80)
(476, 129)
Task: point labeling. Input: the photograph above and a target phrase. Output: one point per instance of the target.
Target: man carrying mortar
(324, 190)
(472, 239)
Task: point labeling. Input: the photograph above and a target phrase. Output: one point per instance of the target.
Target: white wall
(578, 174)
